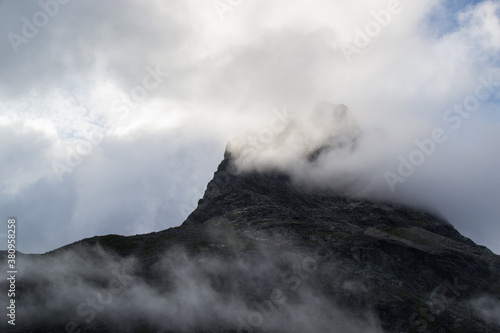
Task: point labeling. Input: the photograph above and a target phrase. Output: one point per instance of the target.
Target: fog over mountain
(245, 166)
(87, 286)
(264, 253)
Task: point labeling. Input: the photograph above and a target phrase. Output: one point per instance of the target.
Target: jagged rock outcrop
(260, 254)
(418, 271)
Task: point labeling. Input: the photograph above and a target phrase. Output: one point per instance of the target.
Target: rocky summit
(411, 269)
(260, 254)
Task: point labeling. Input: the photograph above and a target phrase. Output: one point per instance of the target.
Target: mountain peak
(262, 253)
(300, 140)
(400, 252)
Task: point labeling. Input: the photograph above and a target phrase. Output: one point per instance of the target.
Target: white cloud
(225, 77)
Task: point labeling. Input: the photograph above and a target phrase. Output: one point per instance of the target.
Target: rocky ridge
(261, 254)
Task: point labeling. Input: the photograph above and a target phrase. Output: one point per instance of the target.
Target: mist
(85, 287)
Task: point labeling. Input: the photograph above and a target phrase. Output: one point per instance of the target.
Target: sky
(114, 116)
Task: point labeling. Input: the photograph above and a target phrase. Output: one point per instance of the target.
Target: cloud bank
(114, 116)
(86, 287)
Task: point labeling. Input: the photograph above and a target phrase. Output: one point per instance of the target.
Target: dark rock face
(418, 270)
(274, 258)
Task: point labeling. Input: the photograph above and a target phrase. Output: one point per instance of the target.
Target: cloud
(113, 190)
(488, 308)
(24, 149)
(83, 72)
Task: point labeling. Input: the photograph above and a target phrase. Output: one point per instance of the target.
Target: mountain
(262, 254)
(412, 268)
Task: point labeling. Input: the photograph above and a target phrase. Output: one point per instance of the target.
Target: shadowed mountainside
(262, 254)
(281, 258)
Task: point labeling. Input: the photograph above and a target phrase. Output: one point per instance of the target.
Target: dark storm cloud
(79, 39)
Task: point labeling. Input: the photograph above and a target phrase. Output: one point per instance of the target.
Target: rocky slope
(260, 254)
(272, 258)
(417, 271)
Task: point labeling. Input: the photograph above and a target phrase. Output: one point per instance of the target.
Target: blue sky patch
(443, 19)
